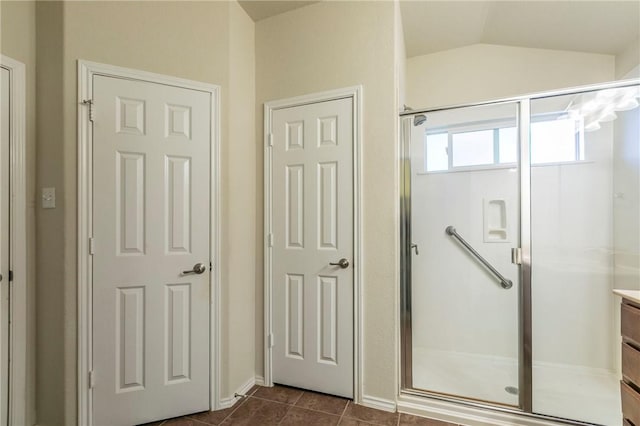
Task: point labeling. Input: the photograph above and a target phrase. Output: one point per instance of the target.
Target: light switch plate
(48, 198)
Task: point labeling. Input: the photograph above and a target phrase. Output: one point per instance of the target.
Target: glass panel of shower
(519, 218)
(585, 242)
(464, 221)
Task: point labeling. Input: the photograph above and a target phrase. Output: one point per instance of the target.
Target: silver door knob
(343, 263)
(198, 268)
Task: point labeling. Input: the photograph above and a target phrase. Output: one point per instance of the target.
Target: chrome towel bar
(504, 282)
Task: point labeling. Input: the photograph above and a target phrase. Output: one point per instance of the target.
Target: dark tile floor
(281, 405)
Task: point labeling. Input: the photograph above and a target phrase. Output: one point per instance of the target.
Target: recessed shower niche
(495, 221)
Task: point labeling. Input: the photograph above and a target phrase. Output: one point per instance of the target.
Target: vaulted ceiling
(606, 27)
(262, 9)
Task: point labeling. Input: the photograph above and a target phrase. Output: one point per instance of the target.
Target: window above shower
(555, 138)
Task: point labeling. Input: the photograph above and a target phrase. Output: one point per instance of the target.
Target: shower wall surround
(548, 346)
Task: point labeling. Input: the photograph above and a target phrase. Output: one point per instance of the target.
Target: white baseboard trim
(228, 402)
(464, 414)
(379, 403)
(242, 390)
(259, 380)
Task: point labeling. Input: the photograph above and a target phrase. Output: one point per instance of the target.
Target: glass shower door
(463, 205)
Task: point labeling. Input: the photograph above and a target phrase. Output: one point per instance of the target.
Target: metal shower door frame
(525, 358)
(524, 297)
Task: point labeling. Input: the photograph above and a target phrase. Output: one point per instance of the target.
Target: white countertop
(632, 295)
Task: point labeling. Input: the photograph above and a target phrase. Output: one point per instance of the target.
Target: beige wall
(400, 58)
(18, 41)
(628, 61)
(325, 46)
(50, 360)
(205, 41)
(241, 206)
(485, 72)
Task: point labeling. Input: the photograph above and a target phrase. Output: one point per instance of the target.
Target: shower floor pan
(578, 393)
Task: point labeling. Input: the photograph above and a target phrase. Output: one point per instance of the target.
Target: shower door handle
(516, 256)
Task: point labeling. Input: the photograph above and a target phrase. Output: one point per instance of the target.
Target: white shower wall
(459, 307)
(626, 206)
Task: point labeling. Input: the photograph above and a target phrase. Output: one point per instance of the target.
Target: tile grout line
(370, 422)
(272, 400)
(235, 408)
(299, 397)
(305, 408)
(343, 411)
(284, 403)
(287, 412)
(318, 411)
(340, 417)
(242, 401)
(294, 403)
(291, 405)
(297, 406)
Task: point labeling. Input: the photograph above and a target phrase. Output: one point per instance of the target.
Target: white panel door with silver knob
(151, 222)
(312, 255)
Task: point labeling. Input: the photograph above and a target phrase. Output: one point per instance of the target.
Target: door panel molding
(20, 367)
(355, 93)
(86, 71)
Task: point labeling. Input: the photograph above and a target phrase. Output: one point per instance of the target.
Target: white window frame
(496, 125)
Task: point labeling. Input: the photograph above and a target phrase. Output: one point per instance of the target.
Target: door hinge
(92, 380)
(89, 102)
(270, 240)
(271, 340)
(92, 246)
(516, 256)
(270, 139)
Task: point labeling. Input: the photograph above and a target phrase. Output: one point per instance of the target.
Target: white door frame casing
(18, 242)
(86, 71)
(355, 93)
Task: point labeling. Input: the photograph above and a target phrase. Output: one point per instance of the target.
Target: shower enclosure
(519, 217)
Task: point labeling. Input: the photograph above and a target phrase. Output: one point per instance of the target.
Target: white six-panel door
(151, 222)
(312, 222)
(4, 246)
